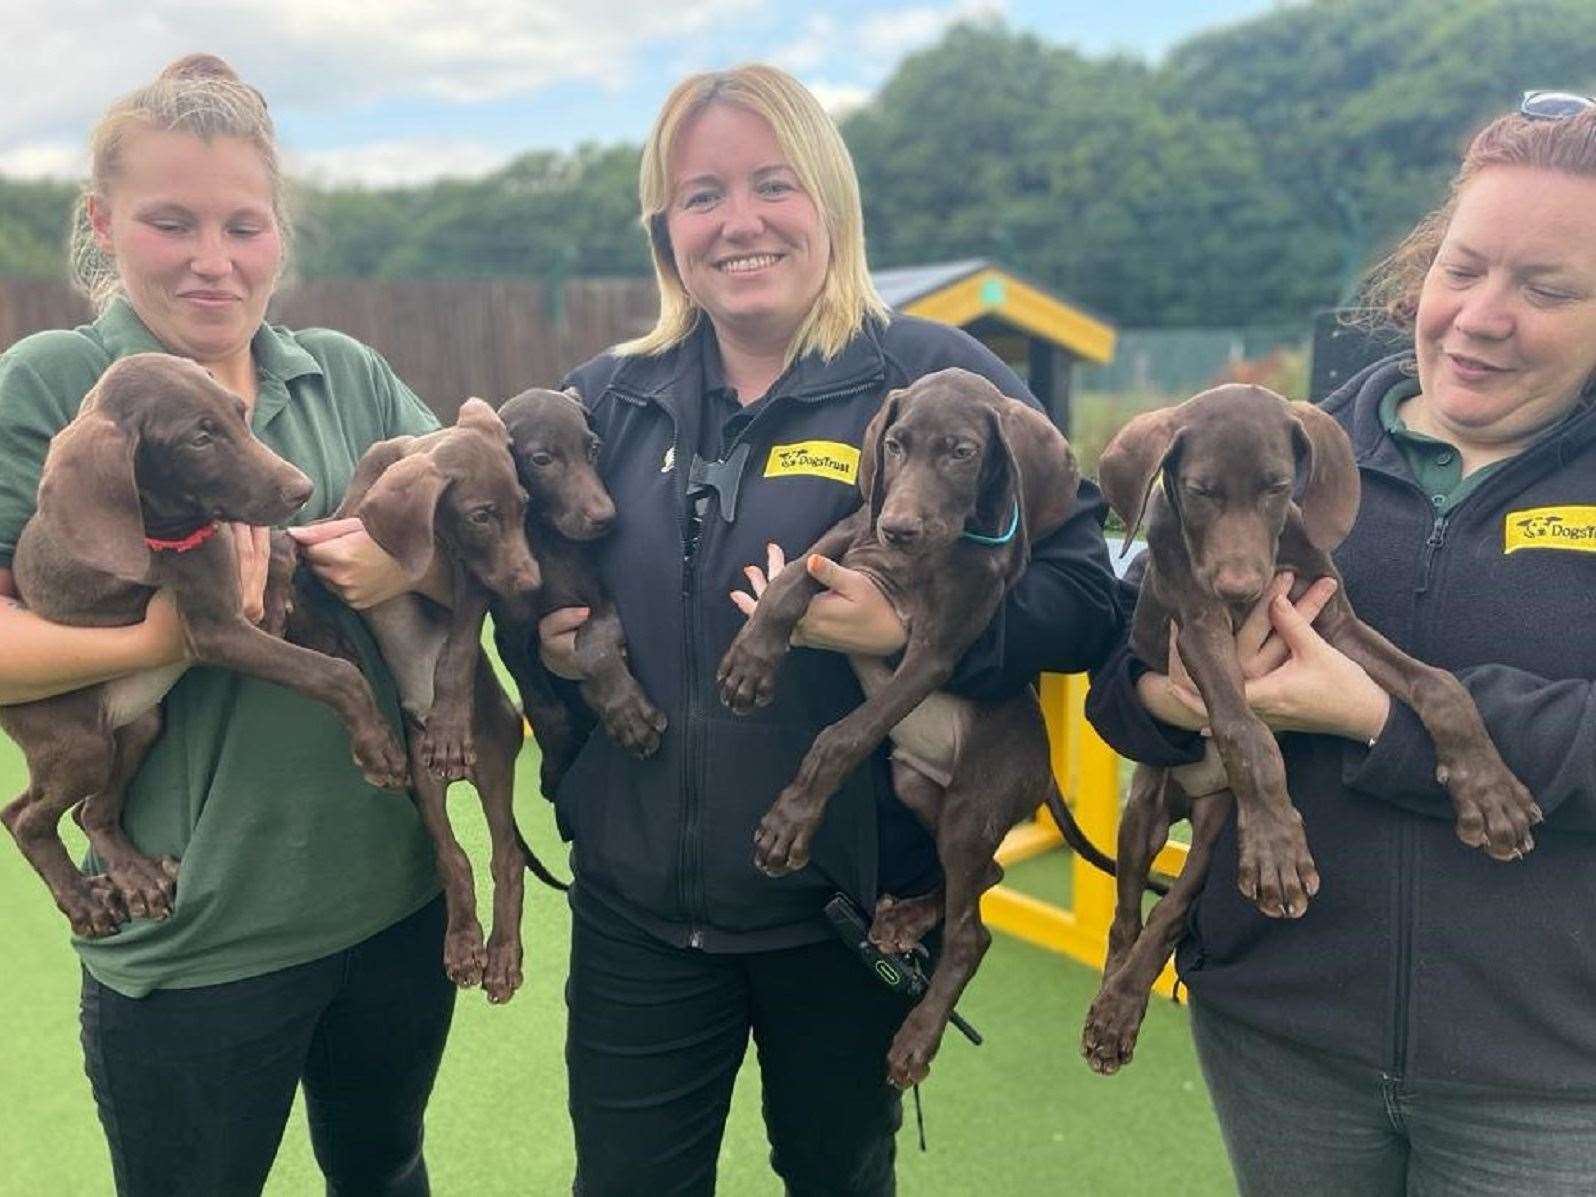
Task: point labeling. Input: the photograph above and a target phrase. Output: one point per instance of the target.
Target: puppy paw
(913, 1048)
(1112, 1024)
(900, 924)
(501, 975)
(747, 673)
(93, 906)
(382, 758)
(447, 749)
(781, 842)
(464, 955)
(634, 723)
(147, 888)
(1494, 810)
(1276, 871)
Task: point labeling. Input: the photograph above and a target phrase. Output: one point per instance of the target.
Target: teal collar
(1014, 524)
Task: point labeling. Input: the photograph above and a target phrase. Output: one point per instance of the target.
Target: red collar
(182, 545)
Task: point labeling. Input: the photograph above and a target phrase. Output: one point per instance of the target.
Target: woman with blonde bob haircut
(731, 434)
(820, 159)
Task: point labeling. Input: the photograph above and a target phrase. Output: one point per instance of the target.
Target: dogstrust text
(819, 459)
(1571, 528)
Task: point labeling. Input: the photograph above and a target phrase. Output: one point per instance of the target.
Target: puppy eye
(200, 439)
(894, 448)
(482, 515)
(963, 452)
(542, 459)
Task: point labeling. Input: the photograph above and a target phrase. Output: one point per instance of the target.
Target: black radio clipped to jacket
(899, 973)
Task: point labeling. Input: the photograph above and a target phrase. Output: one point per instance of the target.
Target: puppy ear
(1132, 461)
(476, 413)
(400, 507)
(1000, 511)
(1044, 464)
(88, 500)
(872, 482)
(1327, 476)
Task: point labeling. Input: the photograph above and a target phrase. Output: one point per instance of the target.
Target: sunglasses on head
(1553, 105)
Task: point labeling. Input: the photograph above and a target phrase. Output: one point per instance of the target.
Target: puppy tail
(1076, 839)
(537, 868)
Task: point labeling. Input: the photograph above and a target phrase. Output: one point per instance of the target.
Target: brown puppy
(129, 501)
(957, 480)
(555, 451)
(455, 492)
(1223, 523)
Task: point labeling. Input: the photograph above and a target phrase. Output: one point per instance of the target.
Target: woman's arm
(1545, 731)
(43, 659)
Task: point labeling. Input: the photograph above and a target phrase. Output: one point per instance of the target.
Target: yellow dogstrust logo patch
(817, 459)
(1572, 528)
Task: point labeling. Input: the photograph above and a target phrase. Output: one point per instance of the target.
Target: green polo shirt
(1437, 466)
(287, 853)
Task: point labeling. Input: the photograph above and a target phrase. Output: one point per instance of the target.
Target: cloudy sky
(393, 91)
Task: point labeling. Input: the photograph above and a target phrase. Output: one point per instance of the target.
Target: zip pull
(1432, 545)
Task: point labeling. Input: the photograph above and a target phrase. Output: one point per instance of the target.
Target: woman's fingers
(252, 559)
(1272, 654)
(557, 640)
(309, 534)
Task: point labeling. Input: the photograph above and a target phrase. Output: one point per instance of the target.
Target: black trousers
(194, 1086)
(654, 1040)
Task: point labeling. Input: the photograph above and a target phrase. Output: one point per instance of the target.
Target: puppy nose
(898, 532)
(1239, 585)
(297, 489)
(526, 576)
(600, 515)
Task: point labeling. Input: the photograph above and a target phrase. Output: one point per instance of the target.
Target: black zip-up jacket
(669, 841)
(1422, 957)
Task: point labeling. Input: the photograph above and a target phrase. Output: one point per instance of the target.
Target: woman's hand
(1294, 680)
(351, 564)
(850, 616)
(1318, 689)
(163, 632)
(557, 641)
(252, 547)
(1172, 696)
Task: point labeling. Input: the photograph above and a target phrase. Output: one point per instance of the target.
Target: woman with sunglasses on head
(770, 337)
(304, 942)
(1427, 1026)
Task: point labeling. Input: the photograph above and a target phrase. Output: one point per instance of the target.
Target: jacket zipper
(1432, 546)
(874, 380)
(1407, 864)
(1407, 851)
(690, 883)
(689, 886)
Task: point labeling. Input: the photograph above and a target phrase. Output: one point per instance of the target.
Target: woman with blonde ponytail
(303, 942)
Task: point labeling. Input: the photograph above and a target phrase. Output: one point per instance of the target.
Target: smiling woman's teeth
(759, 262)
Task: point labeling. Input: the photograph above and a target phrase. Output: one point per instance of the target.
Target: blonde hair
(1566, 145)
(198, 94)
(815, 150)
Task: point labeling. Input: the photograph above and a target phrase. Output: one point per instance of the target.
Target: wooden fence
(448, 340)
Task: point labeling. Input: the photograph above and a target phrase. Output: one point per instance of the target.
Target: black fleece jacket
(669, 841)
(1420, 956)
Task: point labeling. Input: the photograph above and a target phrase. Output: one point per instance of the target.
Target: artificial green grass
(1021, 1115)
